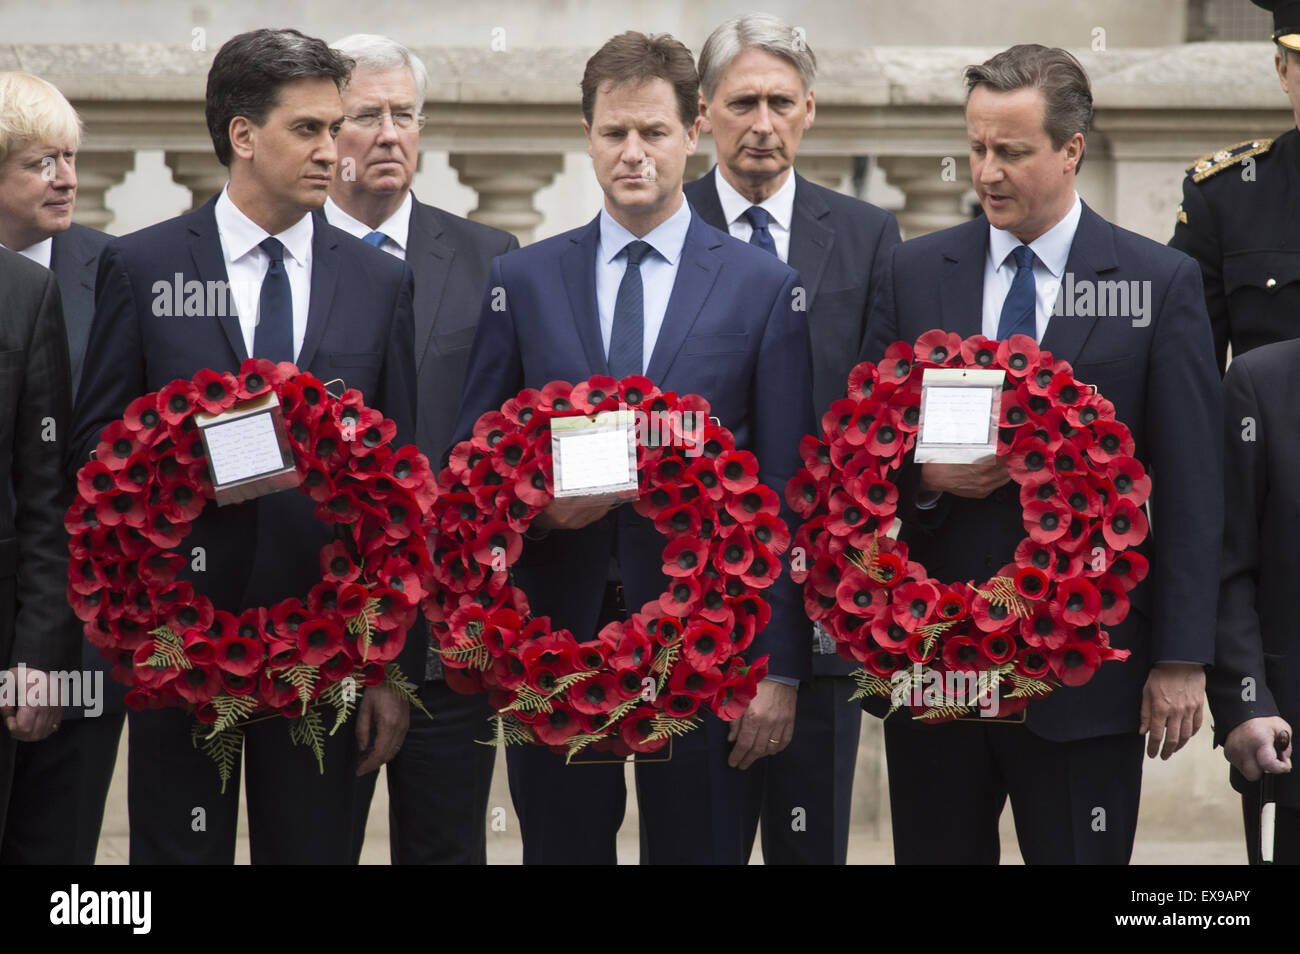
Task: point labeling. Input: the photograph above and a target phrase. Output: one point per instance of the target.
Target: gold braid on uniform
(1221, 159)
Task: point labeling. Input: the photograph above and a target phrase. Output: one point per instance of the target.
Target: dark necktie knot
(1024, 256)
(274, 248)
(758, 217)
(636, 251)
(376, 239)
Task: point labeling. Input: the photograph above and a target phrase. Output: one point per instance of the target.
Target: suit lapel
(325, 259)
(961, 291)
(810, 240)
(697, 269)
(704, 197)
(430, 261)
(205, 250)
(578, 269)
(1091, 253)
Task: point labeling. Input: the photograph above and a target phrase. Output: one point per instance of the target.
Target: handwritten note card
(243, 448)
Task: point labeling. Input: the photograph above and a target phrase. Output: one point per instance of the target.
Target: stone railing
(506, 122)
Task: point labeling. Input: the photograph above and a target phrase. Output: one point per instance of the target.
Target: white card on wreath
(594, 456)
(960, 408)
(248, 450)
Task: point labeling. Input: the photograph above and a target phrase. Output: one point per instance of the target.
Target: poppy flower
(118, 444)
(888, 634)
(846, 514)
(803, 493)
(762, 570)
(198, 684)
(522, 408)
(142, 417)
(1125, 525)
(858, 594)
(920, 648)
(896, 366)
(497, 544)
(1075, 662)
(681, 597)
(151, 677)
(554, 398)
(1129, 479)
(214, 391)
(533, 482)
(589, 395)
(652, 504)
(188, 611)
(1032, 662)
(739, 687)
(1111, 439)
(878, 496)
(336, 563)
(979, 351)
(862, 380)
(595, 695)
(705, 644)
(318, 640)
(738, 470)
(1046, 520)
(1028, 462)
(998, 647)
(884, 662)
(816, 457)
(964, 654)
(684, 518)
(885, 439)
(685, 556)
(176, 401)
(989, 616)
(556, 727)
(1078, 602)
(636, 389)
(937, 346)
(1079, 496)
(238, 655)
(94, 479)
(636, 728)
(1031, 582)
(1018, 354)
(1114, 600)
(1044, 627)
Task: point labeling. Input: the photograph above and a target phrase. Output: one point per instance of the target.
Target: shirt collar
(240, 234)
(1052, 248)
(779, 205)
(41, 253)
(397, 226)
(666, 238)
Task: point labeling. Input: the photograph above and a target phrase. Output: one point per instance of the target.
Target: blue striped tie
(273, 338)
(626, 336)
(1019, 308)
(376, 239)
(760, 236)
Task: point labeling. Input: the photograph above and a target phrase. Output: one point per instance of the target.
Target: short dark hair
(636, 58)
(1061, 78)
(249, 70)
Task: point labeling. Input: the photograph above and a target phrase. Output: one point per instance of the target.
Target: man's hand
(571, 513)
(770, 716)
(976, 480)
(31, 723)
(390, 715)
(1249, 747)
(1171, 706)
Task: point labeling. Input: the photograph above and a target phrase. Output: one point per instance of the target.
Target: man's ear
(705, 125)
(693, 135)
(242, 134)
(812, 111)
(586, 131)
(1074, 150)
(1281, 60)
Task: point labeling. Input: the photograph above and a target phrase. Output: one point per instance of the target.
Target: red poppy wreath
(136, 501)
(636, 683)
(942, 649)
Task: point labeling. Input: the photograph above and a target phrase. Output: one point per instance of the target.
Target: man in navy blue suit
(1073, 769)
(716, 317)
(438, 785)
(288, 287)
(56, 805)
(756, 97)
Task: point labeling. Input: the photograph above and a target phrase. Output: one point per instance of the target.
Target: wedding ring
(774, 741)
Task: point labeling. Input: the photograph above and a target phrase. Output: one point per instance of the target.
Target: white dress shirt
(1051, 250)
(779, 207)
(658, 273)
(396, 227)
(246, 265)
(41, 253)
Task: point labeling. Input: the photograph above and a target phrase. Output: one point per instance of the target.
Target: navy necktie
(760, 236)
(273, 338)
(1019, 308)
(629, 316)
(376, 239)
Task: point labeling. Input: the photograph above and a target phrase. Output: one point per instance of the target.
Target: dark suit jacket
(74, 260)
(1161, 379)
(451, 259)
(35, 402)
(1261, 431)
(359, 328)
(839, 246)
(729, 334)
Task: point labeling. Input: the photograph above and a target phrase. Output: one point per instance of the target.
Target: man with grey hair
(1071, 763)
(756, 97)
(438, 783)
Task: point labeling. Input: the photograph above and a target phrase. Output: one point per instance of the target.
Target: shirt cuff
(783, 680)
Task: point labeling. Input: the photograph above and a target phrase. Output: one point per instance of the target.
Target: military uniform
(1238, 221)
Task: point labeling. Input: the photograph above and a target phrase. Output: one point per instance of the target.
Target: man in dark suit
(756, 98)
(303, 291)
(1253, 685)
(1073, 769)
(34, 411)
(56, 805)
(438, 784)
(647, 287)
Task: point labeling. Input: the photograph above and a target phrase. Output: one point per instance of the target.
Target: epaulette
(1213, 162)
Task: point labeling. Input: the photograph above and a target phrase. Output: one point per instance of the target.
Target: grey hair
(754, 31)
(374, 52)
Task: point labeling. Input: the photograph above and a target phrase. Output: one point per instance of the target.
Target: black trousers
(692, 806)
(1074, 802)
(60, 785)
(803, 796)
(1286, 830)
(438, 784)
(296, 814)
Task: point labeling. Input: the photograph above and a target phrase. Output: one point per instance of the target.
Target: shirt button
(1270, 283)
